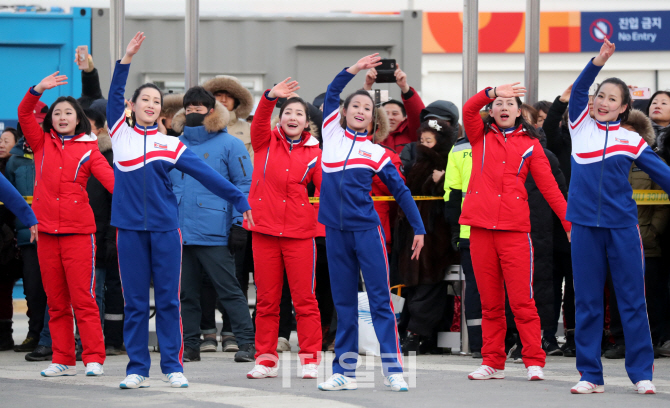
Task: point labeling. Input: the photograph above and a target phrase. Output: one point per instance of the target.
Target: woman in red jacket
(286, 159)
(505, 148)
(66, 154)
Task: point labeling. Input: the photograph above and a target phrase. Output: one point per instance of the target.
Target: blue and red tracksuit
(605, 230)
(145, 212)
(354, 236)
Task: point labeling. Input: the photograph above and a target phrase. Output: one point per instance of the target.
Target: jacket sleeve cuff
(408, 94)
(267, 97)
(34, 92)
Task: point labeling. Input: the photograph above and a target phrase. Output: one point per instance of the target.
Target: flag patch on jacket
(624, 141)
(160, 146)
(365, 154)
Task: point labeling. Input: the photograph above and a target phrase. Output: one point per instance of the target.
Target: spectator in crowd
(542, 108)
(438, 110)
(206, 220)
(68, 227)
(555, 128)
(426, 298)
(497, 210)
(456, 181)
(108, 292)
(172, 103)
(283, 237)
(90, 85)
(403, 116)
(20, 171)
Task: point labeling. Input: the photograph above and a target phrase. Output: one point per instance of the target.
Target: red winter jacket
(383, 208)
(496, 198)
(62, 169)
(278, 195)
(406, 131)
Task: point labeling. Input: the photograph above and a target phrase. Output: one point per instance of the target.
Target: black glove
(455, 237)
(237, 239)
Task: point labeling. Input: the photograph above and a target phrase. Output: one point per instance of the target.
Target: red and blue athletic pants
(144, 255)
(67, 264)
(348, 253)
(504, 259)
(592, 249)
(273, 255)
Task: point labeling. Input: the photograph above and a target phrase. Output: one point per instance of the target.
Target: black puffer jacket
(542, 234)
(101, 203)
(558, 136)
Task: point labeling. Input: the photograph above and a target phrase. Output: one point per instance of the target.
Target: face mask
(171, 132)
(195, 119)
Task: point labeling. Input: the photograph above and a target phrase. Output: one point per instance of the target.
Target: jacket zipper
(342, 178)
(242, 165)
(144, 171)
(602, 172)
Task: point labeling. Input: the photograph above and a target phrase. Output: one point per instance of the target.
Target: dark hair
(532, 112)
(137, 94)
(237, 101)
(625, 96)
(199, 96)
(396, 102)
(84, 126)
(293, 100)
(348, 101)
(542, 106)
(667, 93)
(443, 135)
(12, 131)
(97, 117)
(527, 127)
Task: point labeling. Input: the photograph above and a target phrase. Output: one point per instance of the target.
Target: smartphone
(82, 57)
(640, 93)
(386, 71)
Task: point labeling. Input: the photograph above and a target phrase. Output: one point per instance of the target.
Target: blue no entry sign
(629, 30)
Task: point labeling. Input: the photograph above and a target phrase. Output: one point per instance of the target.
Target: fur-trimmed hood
(214, 122)
(172, 103)
(642, 126)
(104, 141)
(233, 86)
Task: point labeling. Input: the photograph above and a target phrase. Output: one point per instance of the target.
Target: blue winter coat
(20, 171)
(205, 218)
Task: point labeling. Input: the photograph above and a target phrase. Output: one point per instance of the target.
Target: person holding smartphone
(403, 116)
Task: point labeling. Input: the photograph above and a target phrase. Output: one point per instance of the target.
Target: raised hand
(367, 62)
(565, 97)
(370, 78)
(509, 90)
(401, 79)
(133, 47)
(284, 89)
(606, 52)
(50, 82)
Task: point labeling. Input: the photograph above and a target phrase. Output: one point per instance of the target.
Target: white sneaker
(645, 387)
(585, 387)
(338, 382)
(487, 373)
(176, 380)
(310, 371)
(261, 371)
(133, 381)
(57, 370)
(535, 373)
(396, 382)
(94, 369)
(283, 345)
